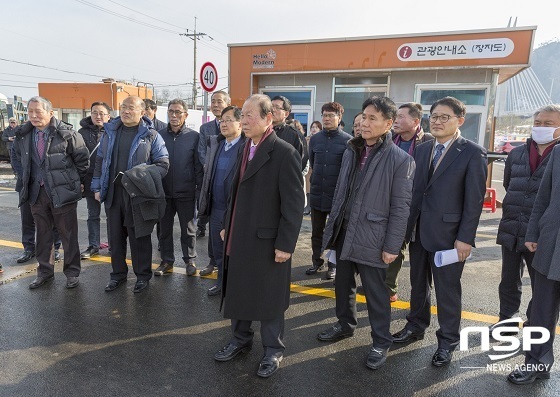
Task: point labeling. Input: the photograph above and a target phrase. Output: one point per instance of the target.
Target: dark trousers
(393, 271)
(318, 222)
(28, 229)
(184, 208)
(272, 333)
(202, 222)
(119, 218)
(544, 313)
(447, 283)
(377, 297)
(215, 226)
(93, 221)
(65, 219)
(510, 285)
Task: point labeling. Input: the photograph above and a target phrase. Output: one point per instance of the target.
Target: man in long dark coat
(262, 224)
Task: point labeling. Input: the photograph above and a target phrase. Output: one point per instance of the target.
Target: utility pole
(194, 37)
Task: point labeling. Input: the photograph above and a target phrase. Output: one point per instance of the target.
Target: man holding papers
(449, 189)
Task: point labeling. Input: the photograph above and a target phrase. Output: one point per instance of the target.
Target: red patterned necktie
(41, 144)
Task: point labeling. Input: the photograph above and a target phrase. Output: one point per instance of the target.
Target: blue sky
(74, 36)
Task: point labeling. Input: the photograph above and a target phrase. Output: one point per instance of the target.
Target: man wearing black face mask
(541, 231)
(523, 172)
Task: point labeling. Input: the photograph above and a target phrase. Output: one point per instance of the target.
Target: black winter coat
(91, 134)
(521, 191)
(325, 158)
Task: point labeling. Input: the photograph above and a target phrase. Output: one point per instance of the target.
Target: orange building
(72, 101)
(468, 65)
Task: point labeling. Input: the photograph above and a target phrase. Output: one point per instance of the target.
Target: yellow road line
(8, 189)
(301, 289)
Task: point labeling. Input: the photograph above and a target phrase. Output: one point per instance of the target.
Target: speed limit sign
(208, 77)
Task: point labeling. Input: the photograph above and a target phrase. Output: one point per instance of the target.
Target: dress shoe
(406, 335)
(72, 282)
(200, 233)
(27, 255)
(191, 269)
(215, 290)
(140, 286)
(268, 366)
(376, 357)
(208, 270)
(331, 273)
(313, 269)
(229, 352)
(57, 256)
(393, 298)
(1, 269)
(520, 377)
(442, 357)
(114, 284)
(89, 252)
(334, 333)
(163, 268)
(39, 281)
(498, 325)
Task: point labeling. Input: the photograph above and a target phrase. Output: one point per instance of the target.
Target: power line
(146, 15)
(36, 77)
(17, 86)
(48, 67)
(116, 14)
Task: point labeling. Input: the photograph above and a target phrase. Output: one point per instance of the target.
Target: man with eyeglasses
(449, 189)
(92, 130)
(407, 135)
(182, 186)
(325, 158)
(129, 143)
(51, 160)
(281, 108)
(218, 102)
(151, 110)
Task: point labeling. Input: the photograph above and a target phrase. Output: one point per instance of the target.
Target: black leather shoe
(27, 255)
(520, 377)
(114, 284)
(57, 256)
(498, 325)
(72, 282)
(208, 270)
(442, 357)
(268, 366)
(229, 352)
(200, 233)
(406, 335)
(313, 269)
(215, 290)
(376, 357)
(331, 273)
(39, 281)
(89, 252)
(163, 268)
(140, 286)
(334, 333)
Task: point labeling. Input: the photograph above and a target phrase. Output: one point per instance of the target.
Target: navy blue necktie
(437, 156)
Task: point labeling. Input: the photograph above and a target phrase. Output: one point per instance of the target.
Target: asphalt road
(85, 342)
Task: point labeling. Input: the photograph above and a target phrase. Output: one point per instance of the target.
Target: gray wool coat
(544, 225)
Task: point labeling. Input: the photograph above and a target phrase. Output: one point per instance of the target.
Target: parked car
(505, 147)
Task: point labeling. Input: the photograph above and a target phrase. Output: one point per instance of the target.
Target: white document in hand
(444, 258)
(331, 256)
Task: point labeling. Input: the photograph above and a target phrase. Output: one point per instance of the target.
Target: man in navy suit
(220, 100)
(449, 189)
(219, 170)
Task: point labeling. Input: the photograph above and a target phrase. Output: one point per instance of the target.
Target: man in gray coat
(543, 239)
(367, 224)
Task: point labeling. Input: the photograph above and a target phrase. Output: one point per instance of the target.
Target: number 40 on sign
(208, 77)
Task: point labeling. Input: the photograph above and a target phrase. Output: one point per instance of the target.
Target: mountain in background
(546, 65)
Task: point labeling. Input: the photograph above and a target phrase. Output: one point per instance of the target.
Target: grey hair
(548, 108)
(178, 101)
(45, 103)
(225, 94)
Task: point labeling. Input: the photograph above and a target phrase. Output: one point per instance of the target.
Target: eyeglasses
(12, 122)
(175, 112)
(125, 108)
(96, 114)
(444, 118)
(276, 107)
(228, 121)
(329, 115)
